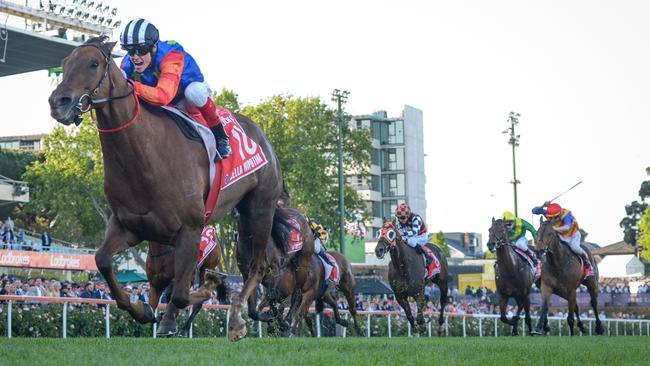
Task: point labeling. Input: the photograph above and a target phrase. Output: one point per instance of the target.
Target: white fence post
(559, 327)
(589, 326)
(108, 321)
(429, 327)
(317, 325)
(155, 323)
(624, 328)
(259, 329)
(464, 323)
(368, 325)
(9, 309)
(390, 333)
(227, 320)
(496, 326)
(446, 326)
(345, 329)
(64, 331)
(480, 326)
(409, 328)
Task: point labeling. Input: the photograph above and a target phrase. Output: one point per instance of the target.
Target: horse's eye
(94, 64)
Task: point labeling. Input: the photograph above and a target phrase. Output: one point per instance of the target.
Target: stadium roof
(29, 51)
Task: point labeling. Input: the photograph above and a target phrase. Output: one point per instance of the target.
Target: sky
(578, 72)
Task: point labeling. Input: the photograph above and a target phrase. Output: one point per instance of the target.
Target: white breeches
(522, 243)
(418, 240)
(317, 245)
(197, 93)
(574, 243)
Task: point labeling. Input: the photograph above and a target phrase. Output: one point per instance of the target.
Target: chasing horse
(408, 274)
(563, 270)
(514, 271)
(158, 182)
(160, 272)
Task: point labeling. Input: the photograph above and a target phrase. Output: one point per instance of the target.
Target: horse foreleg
(187, 246)
(581, 326)
(116, 241)
(542, 323)
(310, 325)
(442, 285)
(329, 299)
(515, 319)
(503, 303)
(403, 302)
(419, 300)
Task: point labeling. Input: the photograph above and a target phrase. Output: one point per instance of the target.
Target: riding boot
(420, 250)
(532, 256)
(586, 260)
(325, 258)
(209, 112)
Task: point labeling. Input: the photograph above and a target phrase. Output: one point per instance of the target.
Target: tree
(634, 211)
(67, 186)
(644, 236)
(439, 240)
(304, 137)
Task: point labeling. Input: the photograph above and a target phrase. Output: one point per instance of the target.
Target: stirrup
(223, 148)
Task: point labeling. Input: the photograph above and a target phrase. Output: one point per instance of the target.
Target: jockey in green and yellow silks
(517, 228)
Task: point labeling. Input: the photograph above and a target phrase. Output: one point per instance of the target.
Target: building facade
(25, 142)
(396, 166)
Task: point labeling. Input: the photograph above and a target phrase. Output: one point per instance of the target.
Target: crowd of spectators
(17, 239)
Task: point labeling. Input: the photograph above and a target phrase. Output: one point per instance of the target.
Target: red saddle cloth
(247, 157)
(208, 243)
(296, 240)
(536, 270)
(434, 267)
(586, 271)
(335, 275)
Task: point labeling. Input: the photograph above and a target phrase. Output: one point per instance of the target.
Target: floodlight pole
(513, 119)
(340, 96)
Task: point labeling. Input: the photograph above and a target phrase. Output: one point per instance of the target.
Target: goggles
(140, 49)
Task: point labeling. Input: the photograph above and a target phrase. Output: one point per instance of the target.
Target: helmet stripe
(142, 32)
(135, 32)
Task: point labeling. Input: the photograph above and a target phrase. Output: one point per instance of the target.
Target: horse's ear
(110, 46)
(493, 220)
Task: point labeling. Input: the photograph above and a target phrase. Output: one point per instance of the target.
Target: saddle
(434, 267)
(536, 270)
(248, 156)
(335, 274)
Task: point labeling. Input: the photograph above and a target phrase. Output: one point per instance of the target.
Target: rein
(92, 103)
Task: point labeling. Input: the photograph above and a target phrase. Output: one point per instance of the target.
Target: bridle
(501, 240)
(92, 103)
(389, 234)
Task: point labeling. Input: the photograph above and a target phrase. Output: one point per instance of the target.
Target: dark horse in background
(406, 274)
(514, 275)
(160, 271)
(156, 181)
(562, 273)
(278, 259)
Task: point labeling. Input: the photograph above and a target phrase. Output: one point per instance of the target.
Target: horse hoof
(237, 329)
(166, 328)
(536, 333)
(183, 334)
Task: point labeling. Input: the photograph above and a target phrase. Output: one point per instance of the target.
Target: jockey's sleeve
(415, 227)
(539, 210)
(568, 220)
(171, 68)
(529, 227)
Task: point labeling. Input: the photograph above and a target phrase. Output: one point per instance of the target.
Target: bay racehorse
(160, 272)
(406, 274)
(288, 224)
(156, 181)
(562, 273)
(514, 276)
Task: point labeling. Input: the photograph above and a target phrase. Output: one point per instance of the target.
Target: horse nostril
(60, 101)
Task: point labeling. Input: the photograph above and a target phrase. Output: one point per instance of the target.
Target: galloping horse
(160, 271)
(298, 264)
(515, 276)
(156, 181)
(406, 273)
(561, 275)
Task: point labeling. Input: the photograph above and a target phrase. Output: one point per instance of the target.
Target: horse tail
(222, 293)
(320, 305)
(281, 229)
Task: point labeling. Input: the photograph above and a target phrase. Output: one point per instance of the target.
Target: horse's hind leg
(592, 285)
(442, 285)
(255, 221)
(187, 246)
(515, 319)
(116, 241)
(527, 315)
(581, 326)
(419, 300)
(310, 325)
(571, 298)
(503, 303)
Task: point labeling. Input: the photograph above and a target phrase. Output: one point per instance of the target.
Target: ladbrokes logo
(65, 262)
(12, 259)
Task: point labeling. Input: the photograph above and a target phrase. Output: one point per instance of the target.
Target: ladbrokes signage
(19, 258)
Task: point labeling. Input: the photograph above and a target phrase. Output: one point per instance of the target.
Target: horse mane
(100, 42)
(281, 229)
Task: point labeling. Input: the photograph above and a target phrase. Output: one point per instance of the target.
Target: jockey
(163, 73)
(566, 226)
(413, 229)
(517, 228)
(321, 236)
